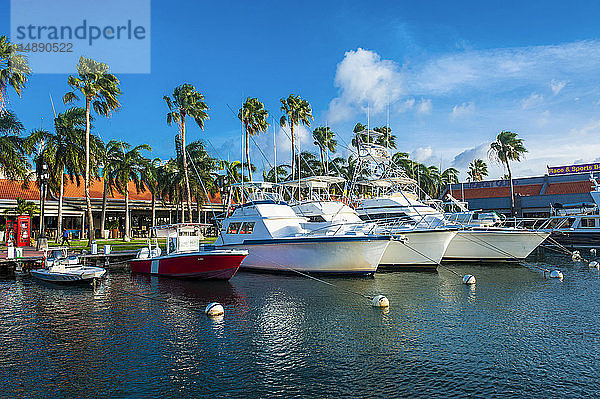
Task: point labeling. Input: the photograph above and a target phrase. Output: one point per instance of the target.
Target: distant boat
(60, 268)
(185, 257)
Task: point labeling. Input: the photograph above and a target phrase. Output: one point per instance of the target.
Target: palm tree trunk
(127, 227)
(60, 208)
(103, 218)
(185, 170)
(87, 173)
(153, 210)
(248, 152)
(323, 161)
(512, 190)
(293, 151)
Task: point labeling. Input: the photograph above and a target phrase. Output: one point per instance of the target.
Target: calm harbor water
(515, 334)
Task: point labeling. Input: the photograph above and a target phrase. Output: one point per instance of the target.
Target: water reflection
(285, 336)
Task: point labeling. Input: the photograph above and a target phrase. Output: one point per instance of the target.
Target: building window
(588, 222)
(247, 228)
(233, 228)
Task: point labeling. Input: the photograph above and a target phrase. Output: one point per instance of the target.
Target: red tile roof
(493, 192)
(576, 187)
(13, 190)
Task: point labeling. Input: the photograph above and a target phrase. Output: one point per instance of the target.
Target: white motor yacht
(59, 267)
(279, 240)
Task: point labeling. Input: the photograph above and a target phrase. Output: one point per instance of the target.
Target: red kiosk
(18, 231)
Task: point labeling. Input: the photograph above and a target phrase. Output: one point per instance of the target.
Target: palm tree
(149, 176)
(477, 170)
(308, 164)
(387, 139)
(13, 147)
(254, 116)
(129, 169)
(14, 71)
(101, 91)
(186, 101)
(23, 208)
(296, 111)
(508, 147)
(324, 139)
(280, 170)
(111, 160)
(63, 152)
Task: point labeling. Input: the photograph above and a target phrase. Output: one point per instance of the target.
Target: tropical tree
(23, 207)
(110, 163)
(477, 170)
(324, 139)
(387, 139)
(13, 147)
(254, 116)
(297, 111)
(14, 71)
(186, 101)
(130, 168)
(149, 177)
(508, 147)
(62, 152)
(277, 173)
(309, 165)
(100, 89)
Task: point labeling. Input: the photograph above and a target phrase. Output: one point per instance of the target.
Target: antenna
(52, 103)
(242, 147)
(274, 150)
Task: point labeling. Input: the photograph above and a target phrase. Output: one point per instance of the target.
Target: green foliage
(254, 116)
(324, 139)
(296, 111)
(14, 71)
(13, 147)
(23, 207)
(477, 170)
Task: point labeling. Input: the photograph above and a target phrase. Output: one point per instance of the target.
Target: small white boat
(60, 268)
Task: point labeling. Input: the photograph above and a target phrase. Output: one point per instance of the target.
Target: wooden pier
(32, 259)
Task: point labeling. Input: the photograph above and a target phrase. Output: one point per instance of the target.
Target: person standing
(65, 237)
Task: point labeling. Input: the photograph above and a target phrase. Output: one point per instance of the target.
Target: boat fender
(469, 279)
(594, 265)
(556, 274)
(593, 251)
(380, 301)
(214, 309)
(576, 256)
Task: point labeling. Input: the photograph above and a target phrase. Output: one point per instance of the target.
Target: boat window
(234, 228)
(588, 222)
(247, 228)
(316, 218)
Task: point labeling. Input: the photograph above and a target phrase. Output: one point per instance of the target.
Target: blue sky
(453, 74)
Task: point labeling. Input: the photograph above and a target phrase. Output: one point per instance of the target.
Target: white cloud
(364, 79)
(532, 101)
(502, 67)
(463, 159)
(464, 109)
(557, 86)
(424, 107)
(409, 104)
(284, 144)
(592, 127)
(422, 154)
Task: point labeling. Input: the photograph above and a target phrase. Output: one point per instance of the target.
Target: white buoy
(556, 274)
(593, 251)
(469, 279)
(214, 309)
(380, 302)
(594, 265)
(576, 256)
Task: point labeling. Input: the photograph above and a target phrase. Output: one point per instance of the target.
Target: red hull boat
(205, 265)
(185, 257)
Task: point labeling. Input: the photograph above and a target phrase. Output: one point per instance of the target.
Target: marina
(515, 331)
(299, 199)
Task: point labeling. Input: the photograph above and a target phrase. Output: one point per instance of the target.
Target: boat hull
(421, 249)
(85, 274)
(196, 265)
(324, 255)
(577, 238)
(493, 245)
